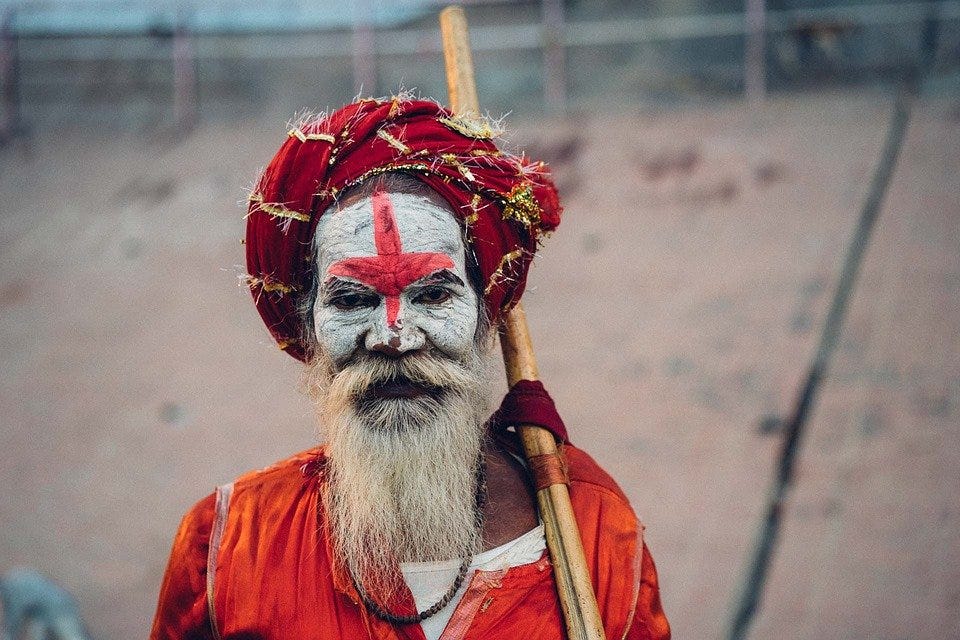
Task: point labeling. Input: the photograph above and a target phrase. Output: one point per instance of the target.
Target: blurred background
(716, 159)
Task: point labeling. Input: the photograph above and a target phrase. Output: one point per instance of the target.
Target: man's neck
(510, 509)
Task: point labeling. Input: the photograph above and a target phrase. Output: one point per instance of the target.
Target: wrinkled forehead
(372, 225)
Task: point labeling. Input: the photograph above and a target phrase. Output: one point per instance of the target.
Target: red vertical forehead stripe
(391, 270)
(505, 202)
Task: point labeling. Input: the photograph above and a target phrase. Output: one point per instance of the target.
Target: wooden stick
(563, 537)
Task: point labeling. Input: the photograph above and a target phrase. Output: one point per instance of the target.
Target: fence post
(364, 48)
(184, 77)
(9, 79)
(754, 64)
(554, 71)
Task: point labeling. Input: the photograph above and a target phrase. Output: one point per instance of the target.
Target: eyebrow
(334, 284)
(439, 277)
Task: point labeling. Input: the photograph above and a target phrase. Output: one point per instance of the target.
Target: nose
(394, 339)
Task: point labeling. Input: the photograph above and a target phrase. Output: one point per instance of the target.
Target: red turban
(505, 202)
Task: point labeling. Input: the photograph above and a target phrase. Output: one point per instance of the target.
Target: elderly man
(385, 241)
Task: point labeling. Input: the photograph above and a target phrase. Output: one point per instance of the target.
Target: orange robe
(272, 578)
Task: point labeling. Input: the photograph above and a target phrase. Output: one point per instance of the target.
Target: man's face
(399, 384)
(393, 280)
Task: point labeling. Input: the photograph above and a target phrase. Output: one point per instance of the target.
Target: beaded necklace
(392, 618)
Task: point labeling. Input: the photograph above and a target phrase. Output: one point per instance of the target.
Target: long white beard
(403, 473)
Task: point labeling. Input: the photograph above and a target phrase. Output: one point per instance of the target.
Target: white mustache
(424, 369)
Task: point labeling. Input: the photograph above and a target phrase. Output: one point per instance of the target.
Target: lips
(399, 388)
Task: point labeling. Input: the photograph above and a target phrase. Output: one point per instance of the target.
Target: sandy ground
(678, 304)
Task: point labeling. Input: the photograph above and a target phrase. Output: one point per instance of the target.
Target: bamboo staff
(563, 537)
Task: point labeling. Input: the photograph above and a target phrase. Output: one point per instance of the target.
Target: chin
(399, 413)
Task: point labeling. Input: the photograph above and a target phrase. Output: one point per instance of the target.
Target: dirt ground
(677, 306)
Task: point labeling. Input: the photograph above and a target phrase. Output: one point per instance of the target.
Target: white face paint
(393, 279)
(404, 434)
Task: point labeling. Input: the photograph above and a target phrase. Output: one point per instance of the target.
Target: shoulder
(287, 477)
(584, 472)
(197, 522)
(281, 475)
(588, 482)
(597, 499)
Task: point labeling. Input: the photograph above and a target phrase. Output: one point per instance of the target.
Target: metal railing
(192, 40)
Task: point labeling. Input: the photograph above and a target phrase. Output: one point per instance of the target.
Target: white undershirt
(430, 581)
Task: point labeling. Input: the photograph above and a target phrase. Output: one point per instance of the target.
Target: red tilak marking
(390, 271)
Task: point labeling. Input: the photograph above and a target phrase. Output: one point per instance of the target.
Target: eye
(353, 300)
(432, 295)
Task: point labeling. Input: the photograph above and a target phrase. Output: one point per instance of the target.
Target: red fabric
(275, 580)
(505, 202)
(528, 402)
